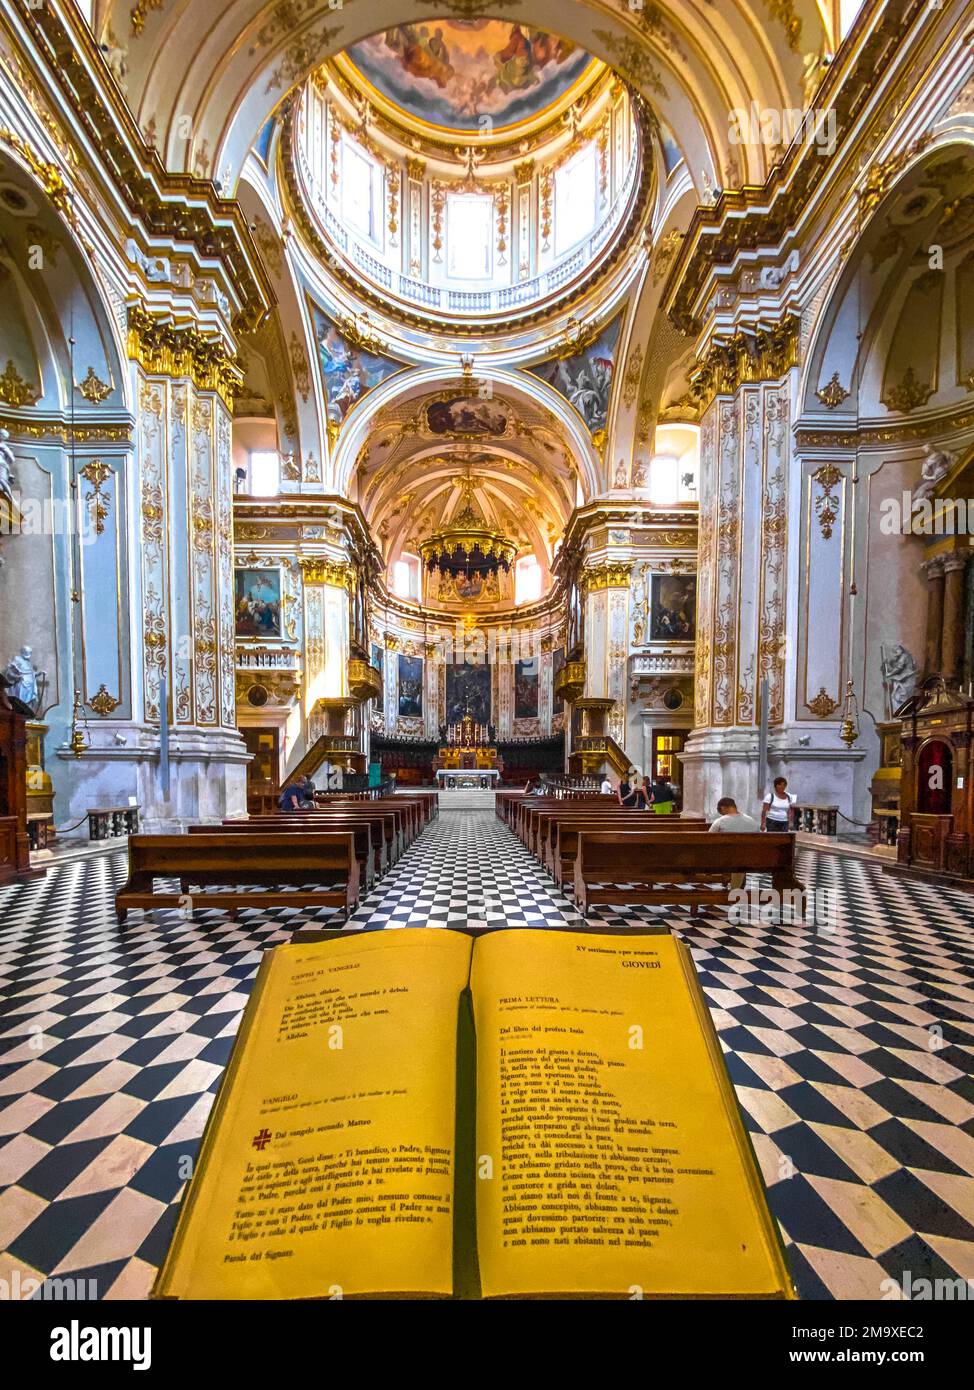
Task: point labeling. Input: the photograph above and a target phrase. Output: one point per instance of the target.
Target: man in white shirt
(730, 819)
(607, 789)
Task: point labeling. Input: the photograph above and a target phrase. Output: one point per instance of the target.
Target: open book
(529, 1113)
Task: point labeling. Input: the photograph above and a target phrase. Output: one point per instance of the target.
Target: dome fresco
(452, 73)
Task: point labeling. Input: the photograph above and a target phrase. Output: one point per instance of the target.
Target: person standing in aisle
(776, 809)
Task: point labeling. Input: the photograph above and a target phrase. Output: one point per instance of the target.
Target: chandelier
(468, 546)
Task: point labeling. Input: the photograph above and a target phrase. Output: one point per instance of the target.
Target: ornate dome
(470, 77)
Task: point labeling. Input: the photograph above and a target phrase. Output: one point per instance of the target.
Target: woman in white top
(776, 810)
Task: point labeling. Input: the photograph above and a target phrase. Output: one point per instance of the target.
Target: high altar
(467, 746)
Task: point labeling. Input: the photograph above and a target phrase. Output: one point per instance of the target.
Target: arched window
(468, 236)
(527, 580)
(575, 200)
(405, 577)
(361, 191)
(265, 473)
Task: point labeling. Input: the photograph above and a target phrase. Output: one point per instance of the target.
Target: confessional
(14, 843)
(936, 834)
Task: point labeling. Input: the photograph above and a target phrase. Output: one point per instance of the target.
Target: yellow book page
(328, 1171)
(610, 1158)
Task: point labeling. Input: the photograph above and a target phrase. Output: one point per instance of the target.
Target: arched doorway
(935, 775)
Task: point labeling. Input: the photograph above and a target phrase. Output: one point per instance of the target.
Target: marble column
(934, 570)
(952, 648)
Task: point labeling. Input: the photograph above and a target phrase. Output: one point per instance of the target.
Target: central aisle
(113, 1043)
(465, 868)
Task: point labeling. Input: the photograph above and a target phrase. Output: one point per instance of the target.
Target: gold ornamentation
(14, 390)
(663, 255)
(360, 333)
(97, 502)
(316, 569)
(48, 174)
(758, 355)
(569, 682)
(299, 56)
(784, 10)
(140, 13)
(575, 339)
(826, 503)
(160, 347)
(93, 388)
(103, 703)
(909, 394)
(634, 371)
(56, 430)
(469, 9)
(833, 394)
(606, 576)
(822, 705)
(631, 59)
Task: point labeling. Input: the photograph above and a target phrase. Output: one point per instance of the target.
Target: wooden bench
(321, 869)
(410, 813)
(561, 844)
(536, 819)
(386, 829)
(369, 847)
(676, 867)
(521, 811)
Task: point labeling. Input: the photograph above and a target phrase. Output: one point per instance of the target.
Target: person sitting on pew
(298, 795)
(730, 819)
(606, 788)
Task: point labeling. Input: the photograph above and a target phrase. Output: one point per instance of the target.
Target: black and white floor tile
(850, 1045)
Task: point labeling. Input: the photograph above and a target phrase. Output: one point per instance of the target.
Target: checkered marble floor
(850, 1048)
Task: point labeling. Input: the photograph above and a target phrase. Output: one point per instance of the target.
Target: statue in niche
(936, 464)
(900, 674)
(620, 479)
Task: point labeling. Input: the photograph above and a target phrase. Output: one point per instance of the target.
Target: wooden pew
(676, 867)
(369, 846)
(411, 812)
(561, 843)
(534, 817)
(521, 811)
(387, 827)
(322, 868)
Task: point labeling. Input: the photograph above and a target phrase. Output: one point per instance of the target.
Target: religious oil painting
(585, 378)
(673, 608)
(526, 681)
(410, 685)
(468, 692)
(454, 72)
(347, 371)
(467, 416)
(557, 662)
(258, 603)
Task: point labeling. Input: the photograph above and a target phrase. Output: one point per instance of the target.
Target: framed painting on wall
(673, 608)
(410, 686)
(526, 680)
(257, 608)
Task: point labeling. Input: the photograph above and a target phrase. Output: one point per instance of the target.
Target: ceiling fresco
(452, 73)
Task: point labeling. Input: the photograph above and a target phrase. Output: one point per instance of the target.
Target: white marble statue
(6, 467)
(937, 463)
(900, 674)
(22, 678)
